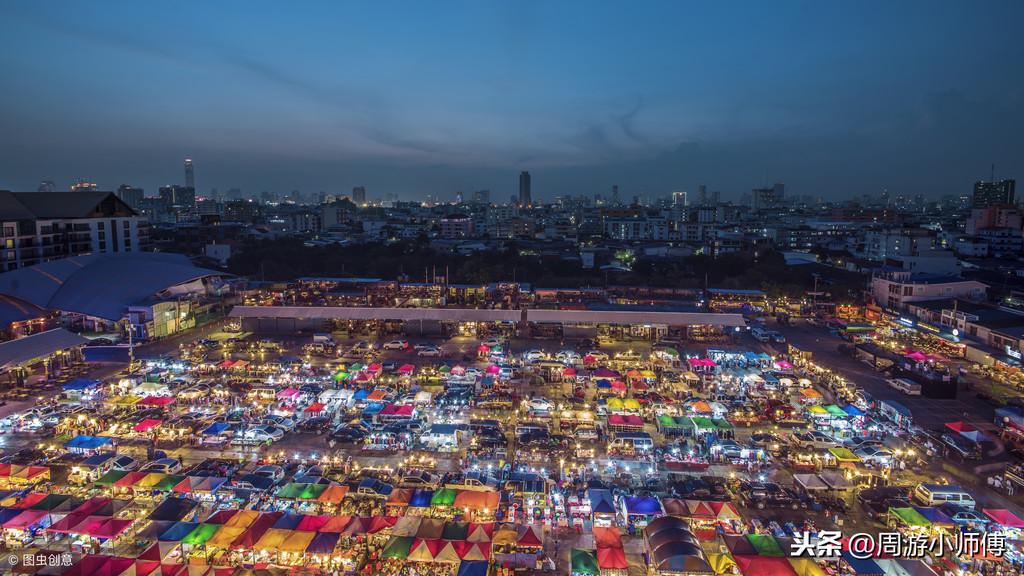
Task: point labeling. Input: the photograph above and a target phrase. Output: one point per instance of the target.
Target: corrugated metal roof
(484, 315)
(100, 285)
(22, 350)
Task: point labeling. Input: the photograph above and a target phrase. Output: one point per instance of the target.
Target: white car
(264, 433)
(568, 357)
(429, 352)
(163, 466)
(124, 463)
(397, 345)
(474, 372)
(506, 372)
(534, 356)
(597, 355)
(282, 422)
(540, 405)
(270, 472)
(491, 342)
(874, 454)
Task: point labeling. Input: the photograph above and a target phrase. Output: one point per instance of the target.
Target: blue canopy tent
(604, 384)
(178, 531)
(360, 394)
(84, 443)
(172, 509)
(472, 568)
(421, 498)
(79, 384)
(288, 521)
(216, 428)
(853, 410)
(601, 501)
(751, 357)
(863, 567)
(323, 543)
(642, 505)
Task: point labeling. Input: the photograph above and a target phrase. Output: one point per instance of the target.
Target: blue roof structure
(87, 442)
(100, 285)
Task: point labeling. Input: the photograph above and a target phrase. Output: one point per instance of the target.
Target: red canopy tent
(157, 400)
(612, 559)
(1004, 517)
(315, 408)
(754, 565)
(147, 425)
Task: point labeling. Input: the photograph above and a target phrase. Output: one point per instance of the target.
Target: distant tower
(359, 195)
(190, 175)
(615, 195)
(679, 198)
(525, 194)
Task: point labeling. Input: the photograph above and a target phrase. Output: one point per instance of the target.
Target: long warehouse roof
(485, 315)
(366, 313)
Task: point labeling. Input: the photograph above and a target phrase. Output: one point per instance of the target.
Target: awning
(1003, 517)
(910, 517)
(23, 351)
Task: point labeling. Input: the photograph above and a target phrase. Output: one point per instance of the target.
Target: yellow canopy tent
(721, 563)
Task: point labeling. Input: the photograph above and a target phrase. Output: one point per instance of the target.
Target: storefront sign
(906, 321)
(1016, 354)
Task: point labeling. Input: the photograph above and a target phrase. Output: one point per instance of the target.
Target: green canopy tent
(910, 517)
(836, 411)
(201, 534)
(52, 502)
(109, 478)
(167, 483)
(584, 562)
(765, 544)
(291, 491)
(722, 424)
(443, 497)
(398, 547)
(312, 491)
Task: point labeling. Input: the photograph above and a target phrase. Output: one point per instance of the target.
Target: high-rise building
(359, 195)
(130, 195)
(525, 193)
(768, 198)
(190, 175)
(679, 198)
(993, 193)
(481, 197)
(182, 198)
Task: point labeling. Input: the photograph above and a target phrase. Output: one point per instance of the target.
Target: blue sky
(411, 98)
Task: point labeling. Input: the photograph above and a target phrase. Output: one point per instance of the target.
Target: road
(929, 413)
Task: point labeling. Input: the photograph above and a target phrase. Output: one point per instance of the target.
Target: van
(908, 387)
(938, 494)
(761, 333)
(531, 428)
(631, 442)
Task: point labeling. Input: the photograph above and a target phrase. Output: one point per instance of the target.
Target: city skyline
(466, 98)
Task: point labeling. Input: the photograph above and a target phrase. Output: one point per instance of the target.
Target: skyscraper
(525, 194)
(130, 195)
(359, 195)
(993, 193)
(190, 175)
(679, 198)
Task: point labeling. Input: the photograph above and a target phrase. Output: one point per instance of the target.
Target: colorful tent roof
(323, 543)
(201, 534)
(763, 566)
(584, 562)
(910, 517)
(1003, 517)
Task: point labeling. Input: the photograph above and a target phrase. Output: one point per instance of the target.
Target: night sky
(412, 98)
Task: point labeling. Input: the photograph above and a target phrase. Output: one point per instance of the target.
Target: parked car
(374, 487)
(263, 433)
(282, 422)
(597, 355)
(763, 495)
(491, 342)
(271, 472)
(349, 433)
(163, 466)
(814, 439)
(418, 479)
(874, 454)
(429, 352)
(124, 463)
(397, 345)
